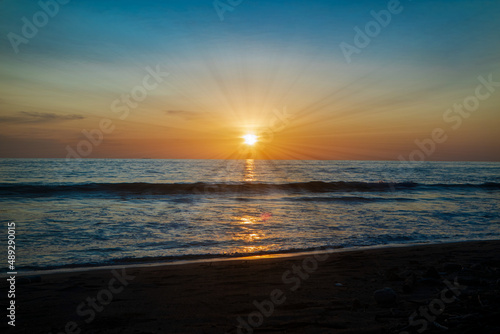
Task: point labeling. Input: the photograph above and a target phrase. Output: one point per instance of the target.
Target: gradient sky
(227, 78)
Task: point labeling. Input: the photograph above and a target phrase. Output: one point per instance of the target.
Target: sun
(250, 139)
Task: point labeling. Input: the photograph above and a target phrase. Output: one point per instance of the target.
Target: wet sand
(431, 287)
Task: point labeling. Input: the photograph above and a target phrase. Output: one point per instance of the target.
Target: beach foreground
(454, 286)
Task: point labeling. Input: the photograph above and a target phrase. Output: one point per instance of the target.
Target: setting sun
(250, 139)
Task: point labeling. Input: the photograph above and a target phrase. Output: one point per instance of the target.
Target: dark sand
(335, 297)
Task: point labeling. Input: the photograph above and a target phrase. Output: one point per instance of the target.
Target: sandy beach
(452, 288)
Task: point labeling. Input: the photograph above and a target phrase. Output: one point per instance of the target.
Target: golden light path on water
(247, 227)
(249, 170)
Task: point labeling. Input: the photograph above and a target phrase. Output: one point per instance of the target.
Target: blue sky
(426, 31)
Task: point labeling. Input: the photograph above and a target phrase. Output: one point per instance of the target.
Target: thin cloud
(39, 117)
(184, 114)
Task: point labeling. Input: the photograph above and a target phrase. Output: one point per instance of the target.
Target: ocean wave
(201, 188)
(350, 199)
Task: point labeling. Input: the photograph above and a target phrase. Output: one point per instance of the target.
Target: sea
(82, 213)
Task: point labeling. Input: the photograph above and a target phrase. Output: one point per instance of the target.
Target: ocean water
(96, 212)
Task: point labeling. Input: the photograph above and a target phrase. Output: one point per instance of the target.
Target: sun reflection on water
(249, 170)
(247, 233)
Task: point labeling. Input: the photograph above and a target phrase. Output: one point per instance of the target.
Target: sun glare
(250, 139)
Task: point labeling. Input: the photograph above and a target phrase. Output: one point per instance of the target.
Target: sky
(187, 79)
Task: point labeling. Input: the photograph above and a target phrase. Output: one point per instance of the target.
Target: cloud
(39, 117)
(184, 114)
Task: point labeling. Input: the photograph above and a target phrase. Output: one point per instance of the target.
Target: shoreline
(210, 259)
(313, 293)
